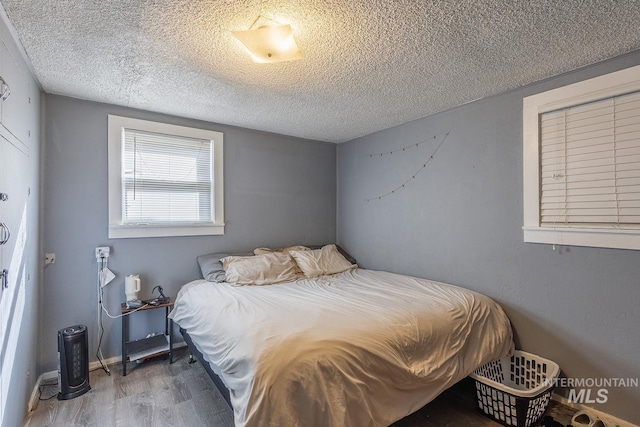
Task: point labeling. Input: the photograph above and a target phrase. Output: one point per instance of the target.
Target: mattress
(359, 348)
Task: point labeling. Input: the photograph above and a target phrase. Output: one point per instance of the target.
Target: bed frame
(216, 379)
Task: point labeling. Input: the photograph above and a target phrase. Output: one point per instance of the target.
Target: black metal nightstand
(147, 347)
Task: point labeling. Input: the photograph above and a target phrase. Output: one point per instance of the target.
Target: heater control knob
(73, 330)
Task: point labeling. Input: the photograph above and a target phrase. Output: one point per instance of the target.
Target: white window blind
(581, 163)
(590, 164)
(166, 178)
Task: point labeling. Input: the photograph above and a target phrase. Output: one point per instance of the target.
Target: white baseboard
(46, 377)
(35, 393)
(610, 420)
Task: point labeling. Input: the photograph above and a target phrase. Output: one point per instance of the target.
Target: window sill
(120, 231)
(593, 237)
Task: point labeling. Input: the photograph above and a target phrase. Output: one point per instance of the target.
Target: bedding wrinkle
(353, 349)
(308, 371)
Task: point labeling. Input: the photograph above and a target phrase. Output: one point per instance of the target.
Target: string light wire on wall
(443, 135)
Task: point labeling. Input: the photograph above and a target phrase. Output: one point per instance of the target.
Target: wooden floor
(158, 394)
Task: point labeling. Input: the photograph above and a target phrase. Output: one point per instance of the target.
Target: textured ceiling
(368, 64)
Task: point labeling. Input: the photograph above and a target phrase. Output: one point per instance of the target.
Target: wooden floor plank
(158, 394)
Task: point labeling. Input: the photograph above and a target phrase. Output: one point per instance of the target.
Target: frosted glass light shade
(270, 44)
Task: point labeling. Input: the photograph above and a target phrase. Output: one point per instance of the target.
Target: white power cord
(104, 263)
(102, 266)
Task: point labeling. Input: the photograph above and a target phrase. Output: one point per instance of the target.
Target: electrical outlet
(49, 258)
(102, 252)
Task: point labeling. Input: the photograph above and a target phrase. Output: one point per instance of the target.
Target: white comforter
(359, 348)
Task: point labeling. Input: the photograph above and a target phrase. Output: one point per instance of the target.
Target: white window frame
(118, 229)
(606, 86)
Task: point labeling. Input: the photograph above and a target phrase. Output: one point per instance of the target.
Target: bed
(355, 348)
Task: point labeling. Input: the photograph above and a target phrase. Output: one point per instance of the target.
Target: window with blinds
(590, 164)
(581, 163)
(164, 180)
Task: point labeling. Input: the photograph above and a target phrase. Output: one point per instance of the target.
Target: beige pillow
(263, 269)
(262, 251)
(327, 260)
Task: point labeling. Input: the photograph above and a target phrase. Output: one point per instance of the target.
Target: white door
(14, 196)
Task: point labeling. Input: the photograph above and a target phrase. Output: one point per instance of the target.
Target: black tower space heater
(73, 362)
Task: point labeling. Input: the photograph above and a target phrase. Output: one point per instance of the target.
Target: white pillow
(327, 260)
(263, 269)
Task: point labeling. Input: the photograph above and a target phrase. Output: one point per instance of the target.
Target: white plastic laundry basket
(516, 390)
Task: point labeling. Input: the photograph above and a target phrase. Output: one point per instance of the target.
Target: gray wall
(278, 191)
(460, 222)
(24, 372)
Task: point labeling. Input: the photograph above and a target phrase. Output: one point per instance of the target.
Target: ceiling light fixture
(269, 43)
